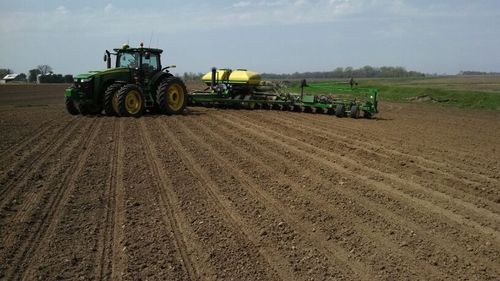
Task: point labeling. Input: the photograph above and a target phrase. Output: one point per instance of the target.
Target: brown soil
(247, 195)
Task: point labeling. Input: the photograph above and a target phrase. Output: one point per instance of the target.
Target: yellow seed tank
(238, 76)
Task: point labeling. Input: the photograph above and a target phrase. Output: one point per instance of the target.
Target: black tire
(109, 95)
(367, 114)
(339, 110)
(70, 106)
(84, 110)
(308, 109)
(171, 96)
(130, 101)
(354, 113)
(277, 107)
(320, 110)
(237, 105)
(249, 105)
(298, 108)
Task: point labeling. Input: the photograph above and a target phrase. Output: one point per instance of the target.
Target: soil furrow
(449, 167)
(110, 265)
(390, 166)
(42, 234)
(278, 264)
(22, 213)
(391, 188)
(432, 152)
(367, 237)
(429, 248)
(149, 242)
(118, 259)
(34, 158)
(328, 248)
(34, 136)
(172, 216)
(360, 142)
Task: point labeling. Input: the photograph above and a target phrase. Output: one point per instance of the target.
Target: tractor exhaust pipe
(107, 58)
(214, 73)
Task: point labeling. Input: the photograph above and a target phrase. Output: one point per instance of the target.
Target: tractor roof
(126, 48)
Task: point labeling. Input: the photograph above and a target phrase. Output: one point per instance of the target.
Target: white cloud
(109, 9)
(241, 4)
(61, 10)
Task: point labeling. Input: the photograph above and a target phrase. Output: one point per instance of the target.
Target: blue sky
(267, 36)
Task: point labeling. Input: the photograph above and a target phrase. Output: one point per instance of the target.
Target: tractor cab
(144, 61)
(139, 58)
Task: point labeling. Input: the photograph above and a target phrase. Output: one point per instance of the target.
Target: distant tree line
(471, 72)
(47, 75)
(192, 76)
(347, 72)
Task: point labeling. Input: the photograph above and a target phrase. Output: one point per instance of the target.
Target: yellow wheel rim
(175, 96)
(133, 102)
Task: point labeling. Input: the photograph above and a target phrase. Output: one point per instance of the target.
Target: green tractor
(138, 83)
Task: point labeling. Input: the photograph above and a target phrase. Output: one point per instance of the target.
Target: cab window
(151, 64)
(128, 60)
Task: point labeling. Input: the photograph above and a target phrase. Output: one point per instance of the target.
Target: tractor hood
(96, 73)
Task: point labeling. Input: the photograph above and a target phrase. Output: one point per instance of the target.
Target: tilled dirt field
(247, 195)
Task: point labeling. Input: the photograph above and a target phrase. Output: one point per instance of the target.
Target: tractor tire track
(111, 264)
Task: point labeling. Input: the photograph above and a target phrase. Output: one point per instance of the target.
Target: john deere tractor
(136, 84)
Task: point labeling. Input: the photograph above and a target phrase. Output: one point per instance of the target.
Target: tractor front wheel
(171, 96)
(130, 101)
(70, 106)
(111, 99)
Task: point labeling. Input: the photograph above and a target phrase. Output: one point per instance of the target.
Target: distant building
(13, 78)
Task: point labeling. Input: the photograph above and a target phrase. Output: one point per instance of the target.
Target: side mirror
(105, 57)
(147, 55)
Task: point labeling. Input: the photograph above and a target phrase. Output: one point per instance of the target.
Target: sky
(279, 36)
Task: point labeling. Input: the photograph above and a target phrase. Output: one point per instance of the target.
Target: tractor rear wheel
(171, 96)
(111, 99)
(70, 106)
(339, 110)
(130, 101)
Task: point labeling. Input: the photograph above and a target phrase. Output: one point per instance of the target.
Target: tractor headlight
(84, 80)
